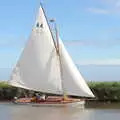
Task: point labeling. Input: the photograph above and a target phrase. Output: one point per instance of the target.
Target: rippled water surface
(17, 112)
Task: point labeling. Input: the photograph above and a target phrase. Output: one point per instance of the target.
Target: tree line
(103, 91)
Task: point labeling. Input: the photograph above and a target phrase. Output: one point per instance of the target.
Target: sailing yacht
(46, 66)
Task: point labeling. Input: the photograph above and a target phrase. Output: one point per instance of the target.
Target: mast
(59, 57)
(60, 62)
(57, 47)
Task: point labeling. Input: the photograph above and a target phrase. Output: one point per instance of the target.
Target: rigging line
(49, 26)
(60, 61)
(55, 44)
(57, 39)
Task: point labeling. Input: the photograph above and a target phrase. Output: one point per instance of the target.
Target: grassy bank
(4, 85)
(8, 92)
(104, 91)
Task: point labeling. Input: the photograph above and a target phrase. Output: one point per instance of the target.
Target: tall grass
(4, 85)
(106, 91)
(7, 92)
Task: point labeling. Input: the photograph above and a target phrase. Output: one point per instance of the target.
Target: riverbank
(102, 105)
(104, 91)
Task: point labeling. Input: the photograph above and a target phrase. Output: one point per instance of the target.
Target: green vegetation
(8, 92)
(106, 91)
(4, 85)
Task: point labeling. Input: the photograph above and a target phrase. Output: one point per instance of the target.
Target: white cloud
(99, 62)
(111, 2)
(11, 43)
(94, 43)
(107, 7)
(98, 10)
(118, 3)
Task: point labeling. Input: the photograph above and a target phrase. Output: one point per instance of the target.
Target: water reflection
(15, 112)
(5, 112)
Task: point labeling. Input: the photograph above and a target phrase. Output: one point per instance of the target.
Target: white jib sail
(73, 82)
(39, 66)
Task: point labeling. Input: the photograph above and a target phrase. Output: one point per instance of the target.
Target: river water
(16, 112)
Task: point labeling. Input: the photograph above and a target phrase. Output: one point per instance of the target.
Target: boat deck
(50, 100)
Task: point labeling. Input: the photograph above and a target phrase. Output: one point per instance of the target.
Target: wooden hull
(54, 102)
(79, 104)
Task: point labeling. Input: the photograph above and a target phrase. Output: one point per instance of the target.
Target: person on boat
(38, 98)
(43, 97)
(34, 98)
(15, 98)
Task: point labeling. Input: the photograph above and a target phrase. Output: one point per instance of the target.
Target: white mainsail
(39, 65)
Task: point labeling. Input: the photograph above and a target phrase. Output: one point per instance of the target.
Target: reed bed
(104, 91)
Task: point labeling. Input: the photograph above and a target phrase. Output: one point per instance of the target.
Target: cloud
(115, 3)
(99, 62)
(73, 42)
(12, 43)
(82, 43)
(118, 3)
(94, 43)
(107, 7)
(98, 10)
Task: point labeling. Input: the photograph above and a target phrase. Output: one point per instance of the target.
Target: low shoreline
(102, 105)
(6, 101)
(88, 105)
(105, 92)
